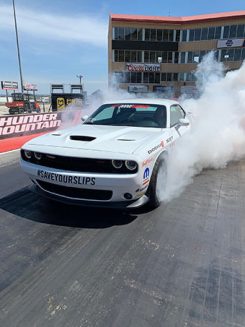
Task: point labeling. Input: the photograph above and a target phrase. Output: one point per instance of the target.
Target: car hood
(120, 139)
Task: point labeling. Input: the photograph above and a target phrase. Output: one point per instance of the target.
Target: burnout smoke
(217, 135)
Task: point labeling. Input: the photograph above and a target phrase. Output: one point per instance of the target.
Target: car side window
(176, 112)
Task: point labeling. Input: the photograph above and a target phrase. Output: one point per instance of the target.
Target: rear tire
(157, 183)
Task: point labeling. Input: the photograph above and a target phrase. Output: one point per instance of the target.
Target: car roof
(165, 102)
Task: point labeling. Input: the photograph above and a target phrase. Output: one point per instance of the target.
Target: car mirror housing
(184, 122)
(84, 118)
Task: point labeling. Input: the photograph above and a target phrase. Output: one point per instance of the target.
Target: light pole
(80, 78)
(18, 49)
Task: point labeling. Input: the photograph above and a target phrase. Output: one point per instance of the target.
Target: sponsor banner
(7, 85)
(230, 43)
(61, 100)
(19, 125)
(143, 67)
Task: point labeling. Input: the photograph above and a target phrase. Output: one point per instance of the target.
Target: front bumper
(63, 186)
(132, 204)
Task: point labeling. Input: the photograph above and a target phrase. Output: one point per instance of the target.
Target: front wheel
(157, 185)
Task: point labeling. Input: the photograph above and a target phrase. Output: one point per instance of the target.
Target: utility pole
(18, 49)
(80, 78)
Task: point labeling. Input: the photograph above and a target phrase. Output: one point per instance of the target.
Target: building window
(211, 32)
(240, 30)
(159, 35)
(127, 56)
(184, 35)
(237, 55)
(191, 35)
(171, 35)
(119, 33)
(204, 34)
(147, 34)
(177, 37)
(226, 32)
(189, 57)
(175, 77)
(135, 77)
(151, 77)
(233, 29)
(164, 77)
(182, 57)
(127, 33)
(217, 33)
(197, 34)
(232, 54)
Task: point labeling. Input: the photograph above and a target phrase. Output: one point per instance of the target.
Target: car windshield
(130, 114)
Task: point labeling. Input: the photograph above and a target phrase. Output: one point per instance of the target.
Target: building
(160, 54)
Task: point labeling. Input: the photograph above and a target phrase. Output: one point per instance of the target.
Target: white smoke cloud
(218, 129)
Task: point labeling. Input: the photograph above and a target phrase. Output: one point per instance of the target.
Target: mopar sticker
(76, 180)
(146, 173)
(146, 176)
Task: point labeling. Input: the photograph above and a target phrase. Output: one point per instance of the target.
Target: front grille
(82, 165)
(76, 193)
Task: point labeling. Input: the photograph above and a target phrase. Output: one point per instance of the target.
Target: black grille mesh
(77, 193)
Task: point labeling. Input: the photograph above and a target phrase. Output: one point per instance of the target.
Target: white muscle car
(113, 159)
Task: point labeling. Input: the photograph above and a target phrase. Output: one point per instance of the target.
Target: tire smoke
(217, 134)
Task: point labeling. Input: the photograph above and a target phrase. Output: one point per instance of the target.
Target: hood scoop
(82, 138)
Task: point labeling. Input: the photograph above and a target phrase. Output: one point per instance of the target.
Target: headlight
(37, 155)
(117, 164)
(28, 154)
(131, 165)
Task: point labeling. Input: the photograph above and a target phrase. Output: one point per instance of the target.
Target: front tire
(157, 183)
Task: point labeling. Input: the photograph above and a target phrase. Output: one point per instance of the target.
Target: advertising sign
(230, 43)
(19, 125)
(60, 100)
(137, 88)
(28, 124)
(30, 87)
(143, 67)
(7, 85)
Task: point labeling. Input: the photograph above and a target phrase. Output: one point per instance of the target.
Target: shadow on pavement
(28, 205)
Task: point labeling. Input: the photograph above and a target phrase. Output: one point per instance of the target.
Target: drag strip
(180, 265)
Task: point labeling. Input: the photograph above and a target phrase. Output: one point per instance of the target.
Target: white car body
(97, 145)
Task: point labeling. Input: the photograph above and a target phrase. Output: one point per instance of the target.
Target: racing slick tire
(157, 183)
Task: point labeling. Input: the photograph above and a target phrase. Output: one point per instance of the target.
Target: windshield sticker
(133, 106)
(76, 180)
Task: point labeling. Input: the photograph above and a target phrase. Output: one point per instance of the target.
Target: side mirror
(184, 122)
(84, 118)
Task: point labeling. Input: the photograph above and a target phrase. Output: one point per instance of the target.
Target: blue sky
(60, 39)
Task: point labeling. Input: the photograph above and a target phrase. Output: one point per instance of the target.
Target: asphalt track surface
(180, 265)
